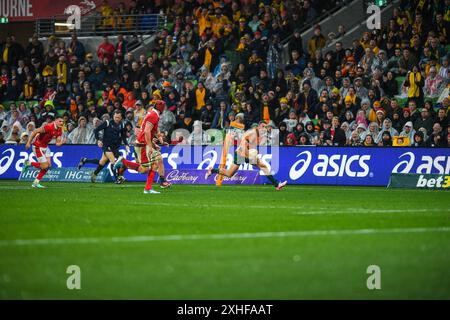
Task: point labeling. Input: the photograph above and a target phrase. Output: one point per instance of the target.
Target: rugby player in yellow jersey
(247, 152)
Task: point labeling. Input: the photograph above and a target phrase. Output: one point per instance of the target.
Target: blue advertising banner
(297, 165)
(66, 175)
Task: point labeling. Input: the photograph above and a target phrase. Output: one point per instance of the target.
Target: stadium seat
(400, 82)
(98, 94)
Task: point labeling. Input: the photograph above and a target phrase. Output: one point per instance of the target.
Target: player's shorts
(41, 154)
(238, 159)
(113, 149)
(144, 157)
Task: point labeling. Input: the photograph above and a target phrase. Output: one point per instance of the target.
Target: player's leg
(101, 164)
(224, 172)
(278, 185)
(84, 161)
(121, 162)
(142, 164)
(28, 164)
(161, 172)
(118, 173)
(40, 156)
(150, 177)
(111, 157)
(43, 157)
(150, 160)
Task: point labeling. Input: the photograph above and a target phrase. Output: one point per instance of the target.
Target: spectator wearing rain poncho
(380, 62)
(5, 130)
(199, 137)
(408, 131)
(83, 134)
(207, 78)
(292, 121)
(222, 68)
(361, 91)
(373, 129)
(2, 113)
(15, 133)
(348, 133)
(350, 118)
(387, 126)
(31, 126)
(180, 66)
(14, 117)
(24, 138)
(221, 88)
(365, 106)
(274, 56)
(355, 140)
(24, 112)
(433, 83)
(362, 131)
(309, 74)
(166, 121)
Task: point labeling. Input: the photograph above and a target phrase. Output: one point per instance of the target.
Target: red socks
(41, 174)
(150, 178)
(36, 165)
(131, 165)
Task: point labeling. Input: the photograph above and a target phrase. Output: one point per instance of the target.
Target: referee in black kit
(114, 132)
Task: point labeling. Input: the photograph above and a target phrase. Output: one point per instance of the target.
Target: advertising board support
(420, 181)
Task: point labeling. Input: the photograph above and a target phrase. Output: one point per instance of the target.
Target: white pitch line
(312, 210)
(186, 237)
(228, 187)
(362, 210)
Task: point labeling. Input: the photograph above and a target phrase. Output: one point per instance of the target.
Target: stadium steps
(349, 12)
(357, 26)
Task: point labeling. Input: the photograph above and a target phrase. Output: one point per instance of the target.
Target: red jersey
(51, 132)
(152, 117)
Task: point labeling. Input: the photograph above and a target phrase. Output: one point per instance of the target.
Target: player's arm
(60, 141)
(249, 141)
(33, 135)
(159, 139)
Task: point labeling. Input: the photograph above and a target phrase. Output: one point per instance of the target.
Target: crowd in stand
(221, 60)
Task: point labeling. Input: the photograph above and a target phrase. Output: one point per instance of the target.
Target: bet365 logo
(439, 182)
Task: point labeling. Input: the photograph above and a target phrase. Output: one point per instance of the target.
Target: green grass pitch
(233, 242)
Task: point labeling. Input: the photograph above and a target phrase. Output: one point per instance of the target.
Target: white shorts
(42, 154)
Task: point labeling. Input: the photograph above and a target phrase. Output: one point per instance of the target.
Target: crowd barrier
(297, 165)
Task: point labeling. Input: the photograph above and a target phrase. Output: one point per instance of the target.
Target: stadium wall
(298, 165)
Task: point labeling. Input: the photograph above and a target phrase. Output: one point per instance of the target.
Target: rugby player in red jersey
(44, 135)
(147, 151)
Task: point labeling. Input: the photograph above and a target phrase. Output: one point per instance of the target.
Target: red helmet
(160, 105)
